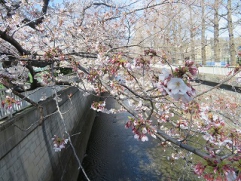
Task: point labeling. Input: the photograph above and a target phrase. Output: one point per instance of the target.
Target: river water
(114, 155)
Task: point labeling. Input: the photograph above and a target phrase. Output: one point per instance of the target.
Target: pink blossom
(193, 70)
(189, 63)
(141, 127)
(229, 173)
(199, 169)
(128, 124)
(208, 177)
(98, 106)
(59, 143)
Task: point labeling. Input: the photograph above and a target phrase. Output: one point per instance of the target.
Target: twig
(225, 80)
(69, 137)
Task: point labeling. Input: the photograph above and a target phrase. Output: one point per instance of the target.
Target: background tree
(203, 33)
(230, 32)
(216, 19)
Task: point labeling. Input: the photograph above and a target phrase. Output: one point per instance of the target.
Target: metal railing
(35, 95)
(216, 70)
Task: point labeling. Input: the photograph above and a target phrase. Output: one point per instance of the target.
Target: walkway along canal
(114, 155)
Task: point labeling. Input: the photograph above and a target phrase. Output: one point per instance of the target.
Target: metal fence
(35, 95)
(216, 70)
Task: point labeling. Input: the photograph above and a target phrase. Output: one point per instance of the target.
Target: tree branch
(14, 43)
(38, 21)
(161, 134)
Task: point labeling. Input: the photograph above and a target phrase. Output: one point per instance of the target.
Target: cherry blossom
(59, 143)
(199, 169)
(191, 67)
(140, 128)
(178, 89)
(105, 50)
(165, 74)
(98, 106)
(9, 102)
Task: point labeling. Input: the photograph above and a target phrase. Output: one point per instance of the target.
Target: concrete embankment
(26, 149)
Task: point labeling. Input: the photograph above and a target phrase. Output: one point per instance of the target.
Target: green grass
(1, 86)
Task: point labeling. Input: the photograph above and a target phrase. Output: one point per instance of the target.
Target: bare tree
(203, 34)
(230, 32)
(216, 46)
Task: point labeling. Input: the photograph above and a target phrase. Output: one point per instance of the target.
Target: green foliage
(171, 168)
(1, 86)
(30, 78)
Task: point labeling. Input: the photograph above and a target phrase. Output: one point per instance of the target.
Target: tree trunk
(230, 32)
(216, 32)
(192, 41)
(203, 39)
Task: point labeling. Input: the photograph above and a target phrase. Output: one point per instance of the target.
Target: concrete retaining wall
(26, 149)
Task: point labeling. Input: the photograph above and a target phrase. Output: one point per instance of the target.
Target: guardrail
(8, 111)
(35, 95)
(215, 70)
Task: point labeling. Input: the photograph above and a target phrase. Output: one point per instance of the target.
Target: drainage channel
(114, 155)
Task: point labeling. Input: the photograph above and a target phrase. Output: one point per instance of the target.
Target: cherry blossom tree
(93, 40)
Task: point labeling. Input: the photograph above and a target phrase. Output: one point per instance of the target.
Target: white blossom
(144, 138)
(178, 86)
(144, 130)
(165, 74)
(136, 136)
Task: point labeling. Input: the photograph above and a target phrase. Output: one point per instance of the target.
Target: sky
(223, 22)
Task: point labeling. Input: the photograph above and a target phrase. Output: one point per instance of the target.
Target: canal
(114, 155)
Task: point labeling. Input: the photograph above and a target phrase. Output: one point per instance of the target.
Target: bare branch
(13, 42)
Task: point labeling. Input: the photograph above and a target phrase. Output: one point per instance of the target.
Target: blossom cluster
(150, 52)
(8, 102)
(44, 78)
(93, 75)
(114, 64)
(142, 62)
(117, 60)
(52, 53)
(141, 127)
(216, 171)
(219, 139)
(98, 106)
(59, 143)
(175, 84)
(163, 114)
